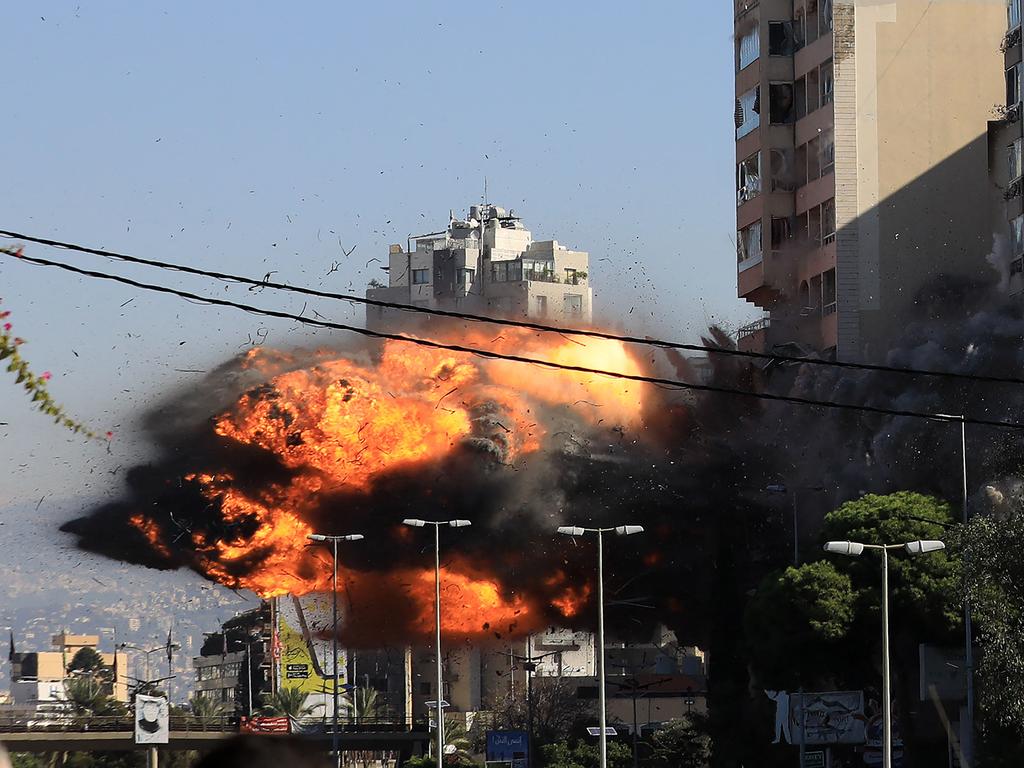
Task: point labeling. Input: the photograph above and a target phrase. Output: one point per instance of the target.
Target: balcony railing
(751, 328)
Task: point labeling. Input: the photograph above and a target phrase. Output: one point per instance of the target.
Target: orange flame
(339, 425)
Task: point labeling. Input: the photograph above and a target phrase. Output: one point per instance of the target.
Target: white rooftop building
(488, 264)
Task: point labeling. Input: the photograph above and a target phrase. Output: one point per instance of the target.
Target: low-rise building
(487, 263)
(39, 677)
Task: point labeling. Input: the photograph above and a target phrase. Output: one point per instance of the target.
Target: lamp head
(353, 537)
(923, 547)
(571, 530)
(629, 530)
(414, 522)
(848, 548)
(459, 523)
(316, 537)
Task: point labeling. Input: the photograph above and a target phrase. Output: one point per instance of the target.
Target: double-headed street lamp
(322, 539)
(855, 549)
(622, 530)
(417, 523)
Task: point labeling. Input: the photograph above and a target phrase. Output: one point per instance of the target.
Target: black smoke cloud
(694, 476)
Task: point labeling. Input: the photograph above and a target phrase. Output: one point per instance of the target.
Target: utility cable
(658, 381)
(589, 332)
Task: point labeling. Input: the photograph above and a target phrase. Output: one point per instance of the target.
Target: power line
(658, 381)
(589, 332)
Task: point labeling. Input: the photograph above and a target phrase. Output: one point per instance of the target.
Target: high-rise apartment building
(861, 162)
(487, 263)
(1006, 159)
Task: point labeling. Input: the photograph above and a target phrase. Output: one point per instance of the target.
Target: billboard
(151, 720)
(303, 647)
(508, 747)
(833, 717)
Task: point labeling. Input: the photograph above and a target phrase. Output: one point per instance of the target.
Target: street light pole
(622, 530)
(967, 742)
(417, 523)
(334, 632)
(854, 549)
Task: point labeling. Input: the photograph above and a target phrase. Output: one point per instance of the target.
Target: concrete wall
(916, 83)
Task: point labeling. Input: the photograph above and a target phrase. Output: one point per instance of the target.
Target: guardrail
(24, 722)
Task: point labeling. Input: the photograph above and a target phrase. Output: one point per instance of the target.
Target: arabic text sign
(834, 717)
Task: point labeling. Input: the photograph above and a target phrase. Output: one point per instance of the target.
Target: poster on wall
(305, 649)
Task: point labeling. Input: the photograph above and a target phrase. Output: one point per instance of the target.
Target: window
(420, 276)
(573, 304)
(828, 292)
(800, 88)
(813, 159)
(813, 90)
(828, 221)
(570, 277)
(782, 231)
(748, 244)
(801, 165)
(464, 277)
(748, 179)
(1017, 236)
(1014, 160)
(811, 27)
(799, 29)
(780, 38)
(748, 112)
(1013, 14)
(542, 306)
(825, 16)
(748, 47)
(814, 225)
(506, 271)
(1013, 85)
(782, 103)
(782, 170)
(828, 151)
(827, 83)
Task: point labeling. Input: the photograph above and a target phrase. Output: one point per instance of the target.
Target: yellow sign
(306, 646)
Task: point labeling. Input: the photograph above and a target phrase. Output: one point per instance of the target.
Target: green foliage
(921, 588)
(681, 744)
(27, 760)
(86, 696)
(994, 584)
(796, 622)
(562, 754)
(802, 619)
(86, 660)
(420, 761)
(288, 702)
(364, 705)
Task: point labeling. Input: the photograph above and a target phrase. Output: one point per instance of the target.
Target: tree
(557, 709)
(289, 702)
(364, 705)
(799, 618)
(86, 697)
(86, 660)
(994, 586)
(681, 744)
(562, 754)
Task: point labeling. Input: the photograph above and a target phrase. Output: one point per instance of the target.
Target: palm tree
(456, 735)
(204, 710)
(364, 705)
(289, 702)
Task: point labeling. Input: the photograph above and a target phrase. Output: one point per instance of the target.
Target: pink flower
(7, 326)
(46, 376)
(110, 435)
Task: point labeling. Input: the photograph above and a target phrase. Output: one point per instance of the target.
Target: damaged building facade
(1006, 161)
(861, 151)
(487, 263)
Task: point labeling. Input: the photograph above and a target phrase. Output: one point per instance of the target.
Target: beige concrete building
(861, 150)
(38, 677)
(487, 263)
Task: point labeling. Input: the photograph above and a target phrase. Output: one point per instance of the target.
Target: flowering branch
(33, 384)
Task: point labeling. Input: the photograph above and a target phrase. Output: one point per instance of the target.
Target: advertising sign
(265, 725)
(306, 646)
(151, 720)
(834, 717)
(508, 747)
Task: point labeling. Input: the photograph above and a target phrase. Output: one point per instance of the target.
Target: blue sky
(255, 136)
